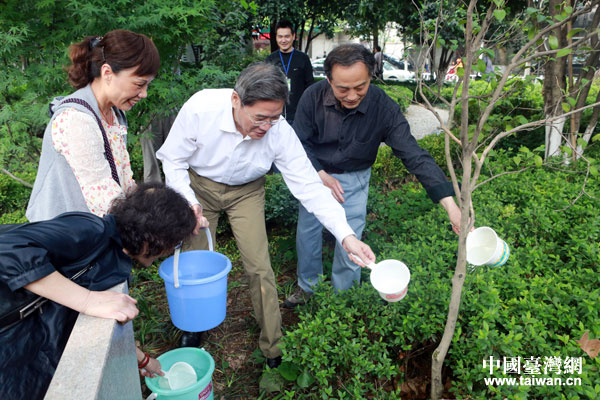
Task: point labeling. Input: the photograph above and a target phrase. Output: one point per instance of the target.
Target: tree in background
(35, 36)
(477, 138)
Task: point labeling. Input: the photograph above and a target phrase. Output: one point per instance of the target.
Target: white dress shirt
(204, 137)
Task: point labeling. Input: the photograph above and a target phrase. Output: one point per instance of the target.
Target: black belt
(334, 170)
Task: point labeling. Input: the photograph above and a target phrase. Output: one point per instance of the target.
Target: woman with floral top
(84, 163)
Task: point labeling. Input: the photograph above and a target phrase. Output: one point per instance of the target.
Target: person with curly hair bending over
(42, 257)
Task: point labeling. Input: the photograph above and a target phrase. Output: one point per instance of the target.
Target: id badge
(289, 82)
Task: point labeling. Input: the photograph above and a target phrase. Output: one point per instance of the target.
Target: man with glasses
(221, 145)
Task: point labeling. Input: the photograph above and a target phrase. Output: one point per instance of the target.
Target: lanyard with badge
(286, 69)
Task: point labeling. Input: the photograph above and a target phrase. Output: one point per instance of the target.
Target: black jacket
(300, 74)
(30, 350)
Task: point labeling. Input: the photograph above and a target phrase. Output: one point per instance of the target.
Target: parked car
(392, 73)
(397, 63)
(318, 69)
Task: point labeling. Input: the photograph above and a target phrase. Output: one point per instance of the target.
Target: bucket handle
(176, 257)
(152, 396)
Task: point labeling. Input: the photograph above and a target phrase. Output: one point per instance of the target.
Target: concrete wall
(99, 361)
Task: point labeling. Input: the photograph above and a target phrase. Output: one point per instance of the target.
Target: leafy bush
(538, 304)
(388, 171)
(281, 207)
(14, 197)
(402, 95)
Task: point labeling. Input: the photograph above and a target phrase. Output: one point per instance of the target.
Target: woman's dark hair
(347, 55)
(120, 49)
(155, 214)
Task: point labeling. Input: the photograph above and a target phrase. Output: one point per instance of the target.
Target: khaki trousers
(245, 209)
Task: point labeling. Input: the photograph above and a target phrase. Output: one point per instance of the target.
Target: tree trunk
(273, 34)
(579, 92)
(301, 35)
(554, 130)
(589, 130)
(553, 89)
(309, 37)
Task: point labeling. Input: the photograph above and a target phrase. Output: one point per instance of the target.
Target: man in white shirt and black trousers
(218, 151)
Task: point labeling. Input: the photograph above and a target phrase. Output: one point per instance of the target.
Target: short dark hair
(378, 47)
(284, 23)
(121, 49)
(349, 54)
(261, 81)
(154, 214)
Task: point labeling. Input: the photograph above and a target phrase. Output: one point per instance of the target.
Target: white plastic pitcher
(484, 247)
(390, 278)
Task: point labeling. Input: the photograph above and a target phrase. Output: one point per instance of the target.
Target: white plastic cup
(484, 247)
(390, 278)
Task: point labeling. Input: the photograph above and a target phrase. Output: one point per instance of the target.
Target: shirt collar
(330, 100)
(227, 122)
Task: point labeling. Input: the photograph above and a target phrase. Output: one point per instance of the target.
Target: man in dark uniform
(295, 65)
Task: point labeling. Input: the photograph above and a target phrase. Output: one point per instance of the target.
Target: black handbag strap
(107, 151)
(11, 318)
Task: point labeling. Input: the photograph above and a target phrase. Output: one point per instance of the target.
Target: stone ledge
(99, 361)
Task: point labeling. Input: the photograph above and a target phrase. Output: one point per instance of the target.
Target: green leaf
(563, 52)
(595, 138)
(553, 42)
(517, 160)
(566, 107)
(573, 32)
(568, 10)
(480, 66)
(538, 161)
(305, 379)
(499, 14)
(289, 370)
(582, 143)
(524, 149)
(593, 170)
(522, 120)
(532, 10)
(271, 381)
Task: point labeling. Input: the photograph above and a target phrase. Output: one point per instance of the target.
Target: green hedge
(353, 345)
(401, 94)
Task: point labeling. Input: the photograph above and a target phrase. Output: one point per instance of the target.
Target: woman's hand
(152, 369)
(107, 304)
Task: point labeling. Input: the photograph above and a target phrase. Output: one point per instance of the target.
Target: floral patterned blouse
(77, 137)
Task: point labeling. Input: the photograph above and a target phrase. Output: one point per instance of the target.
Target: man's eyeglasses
(261, 122)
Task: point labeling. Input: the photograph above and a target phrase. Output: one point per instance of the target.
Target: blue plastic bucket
(203, 365)
(199, 302)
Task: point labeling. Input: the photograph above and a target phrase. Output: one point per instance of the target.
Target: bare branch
(501, 174)
(16, 178)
